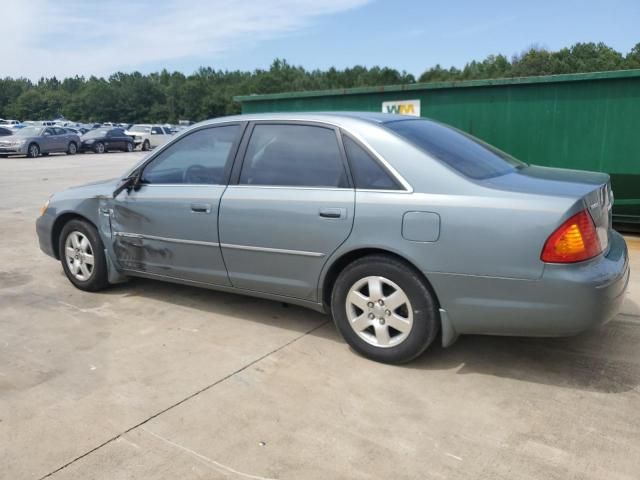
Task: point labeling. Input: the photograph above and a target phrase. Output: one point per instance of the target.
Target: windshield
(468, 155)
(29, 132)
(140, 128)
(101, 132)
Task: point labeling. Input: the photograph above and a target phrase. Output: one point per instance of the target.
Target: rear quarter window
(464, 153)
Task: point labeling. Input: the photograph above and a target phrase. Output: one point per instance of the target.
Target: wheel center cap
(378, 311)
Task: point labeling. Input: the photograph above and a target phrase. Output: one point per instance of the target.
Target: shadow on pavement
(594, 361)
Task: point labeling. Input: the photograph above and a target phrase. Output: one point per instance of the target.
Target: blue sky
(85, 37)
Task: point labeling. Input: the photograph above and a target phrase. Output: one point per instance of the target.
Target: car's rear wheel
(82, 256)
(72, 149)
(33, 151)
(384, 309)
(146, 146)
(129, 147)
(99, 147)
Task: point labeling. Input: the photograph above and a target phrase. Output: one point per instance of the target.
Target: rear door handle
(333, 212)
(201, 207)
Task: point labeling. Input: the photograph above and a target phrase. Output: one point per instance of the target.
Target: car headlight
(18, 143)
(44, 207)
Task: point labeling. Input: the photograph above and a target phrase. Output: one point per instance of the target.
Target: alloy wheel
(379, 311)
(79, 255)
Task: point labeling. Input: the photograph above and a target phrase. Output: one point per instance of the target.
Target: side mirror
(127, 184)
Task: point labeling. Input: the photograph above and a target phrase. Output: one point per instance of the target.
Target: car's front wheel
(82, 256)
(33, 151)
(384, 310)
(146, 146)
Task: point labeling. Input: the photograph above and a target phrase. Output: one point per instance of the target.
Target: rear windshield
(466, 154)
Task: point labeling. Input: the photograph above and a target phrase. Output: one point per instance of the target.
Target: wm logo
(401, 109)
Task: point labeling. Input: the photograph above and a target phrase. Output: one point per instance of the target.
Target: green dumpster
(588, 121)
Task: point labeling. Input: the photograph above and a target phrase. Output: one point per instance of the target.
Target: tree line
(170, 96)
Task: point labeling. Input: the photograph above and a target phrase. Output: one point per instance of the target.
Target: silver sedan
(405, 230)
(36, 141)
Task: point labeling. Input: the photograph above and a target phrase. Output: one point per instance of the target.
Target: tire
(33, 151)
(407, 303)
(72, 149)
(146, 146)
(75, 264)
(129, 147)
(99, 148)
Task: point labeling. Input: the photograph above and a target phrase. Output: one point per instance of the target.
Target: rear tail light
(575, 240)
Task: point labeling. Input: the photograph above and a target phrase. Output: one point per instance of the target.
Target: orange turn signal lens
(575, 240)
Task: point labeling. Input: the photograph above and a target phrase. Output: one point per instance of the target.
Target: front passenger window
(202, 157)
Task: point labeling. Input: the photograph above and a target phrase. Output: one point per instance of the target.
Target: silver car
(34, 141)
(405, 230)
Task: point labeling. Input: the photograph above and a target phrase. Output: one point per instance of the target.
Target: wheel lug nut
(370, 304)
(388, 312)
(371, 316)
(381, 320)
(380, 302)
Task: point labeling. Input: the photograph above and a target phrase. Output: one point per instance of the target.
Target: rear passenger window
(293, 155)
(367, 172)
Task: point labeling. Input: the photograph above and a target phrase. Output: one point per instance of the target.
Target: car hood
(102, 188)
(13, 138)
(139, 134)
(558, 182)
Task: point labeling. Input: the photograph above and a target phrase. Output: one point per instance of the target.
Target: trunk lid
(593, 188)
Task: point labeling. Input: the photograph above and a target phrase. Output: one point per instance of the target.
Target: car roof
(328, 117)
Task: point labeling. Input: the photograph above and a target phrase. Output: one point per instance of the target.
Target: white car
(147, 136)
(10, 123)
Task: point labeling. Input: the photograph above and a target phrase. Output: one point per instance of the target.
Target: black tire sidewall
(98, 279)
(97, 147)
(426, 321)
(29, 155)
(129, 147)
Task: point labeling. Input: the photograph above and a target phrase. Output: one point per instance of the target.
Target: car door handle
(333, 212)
(201, 207)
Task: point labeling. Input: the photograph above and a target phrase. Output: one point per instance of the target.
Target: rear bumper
(567, 300)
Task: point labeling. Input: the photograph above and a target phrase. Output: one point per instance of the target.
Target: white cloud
(76, 37)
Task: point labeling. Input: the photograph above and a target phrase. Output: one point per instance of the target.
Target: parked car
(10, 123)
(402, 228)
(4, 132)
(102, 140)
(36, 141)
(77, 130)
(149, 136)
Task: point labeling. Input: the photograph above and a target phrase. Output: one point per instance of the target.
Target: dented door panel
(170, 230)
